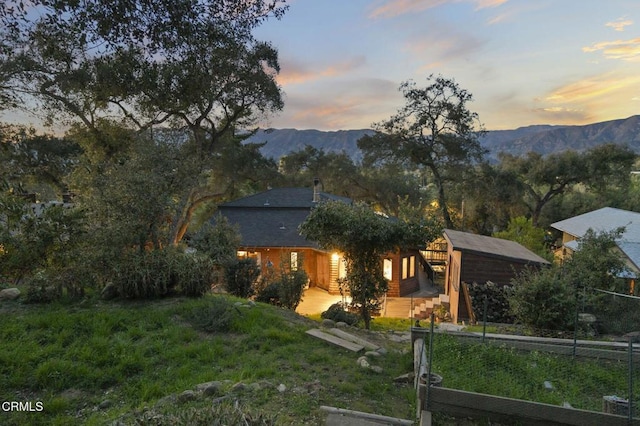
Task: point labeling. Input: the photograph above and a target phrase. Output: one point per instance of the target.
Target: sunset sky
(525, 62)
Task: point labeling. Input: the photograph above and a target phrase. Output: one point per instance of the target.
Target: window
(408, 267)
(412, 266)
(294, 260)
(387, 269)
(405, 268)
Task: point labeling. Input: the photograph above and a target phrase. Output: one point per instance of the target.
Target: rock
(251, 303)
(342, 324)
(239, 387)
(281, 388)
(376, 368)
(109, 292)
(372, 354)
(565, 404)
(209, 388)
(363, 362)
(328, 323)
(381, 351)
(187, 395)
(105, 404)
(548, 385)
(167, 400)
(9, 294)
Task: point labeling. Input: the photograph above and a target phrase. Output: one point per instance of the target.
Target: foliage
(214, 317)
(36, 163)
(543, 178)
(285, 286)
(522, 231)
(363, 236)
(159, 273)
(204, 78)
(543, 299)
(497, 298)
(32, 240)
(241, 276)
(219, 241)
(547, 299)
(338, 313)
(434, 130)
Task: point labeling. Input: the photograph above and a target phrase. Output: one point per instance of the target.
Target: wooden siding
(478, 268)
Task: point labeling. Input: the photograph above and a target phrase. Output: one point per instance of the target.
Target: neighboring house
(268, 224)
(478, 258)
(604, 220)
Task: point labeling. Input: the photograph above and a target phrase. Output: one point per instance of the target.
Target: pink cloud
(393, 8)
(296, 73)
(627, 50)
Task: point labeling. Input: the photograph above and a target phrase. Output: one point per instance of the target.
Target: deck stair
(423, 310)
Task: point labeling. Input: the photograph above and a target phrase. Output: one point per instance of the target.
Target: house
(268, 224)
(478, 258)
(604, 220)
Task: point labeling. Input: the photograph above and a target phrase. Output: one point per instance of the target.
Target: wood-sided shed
(479, 258)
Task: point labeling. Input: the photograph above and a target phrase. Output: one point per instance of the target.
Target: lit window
(294, 260)
(412, 266)
(405, 268)
(387, 268)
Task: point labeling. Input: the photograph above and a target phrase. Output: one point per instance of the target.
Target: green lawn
(130, 355)
(98, 363)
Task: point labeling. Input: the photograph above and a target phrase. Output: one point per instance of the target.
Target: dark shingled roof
(490, 246)
(271, 218)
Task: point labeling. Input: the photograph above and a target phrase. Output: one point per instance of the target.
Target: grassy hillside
(132, 363)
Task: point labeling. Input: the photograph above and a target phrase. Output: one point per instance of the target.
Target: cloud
(293, 72)
(559, 115)
(484, 4)
(626, 50)
(441, 49)
(393, 8)
(343, 104)
(619, 24)
(591, 88)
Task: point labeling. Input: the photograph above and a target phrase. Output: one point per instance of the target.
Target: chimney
(316, 190)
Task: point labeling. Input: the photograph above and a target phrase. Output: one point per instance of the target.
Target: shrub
(287, 291)
(543, 300)
(337, 313)
(240, 277)
(158, 273)
(217, 316)
(270, 294)
(40, 289)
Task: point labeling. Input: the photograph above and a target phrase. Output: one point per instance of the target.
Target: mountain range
(544, 139)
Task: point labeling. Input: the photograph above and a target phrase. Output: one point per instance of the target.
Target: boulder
(327, 323)
(9, 294)
(209, 388)
(187, 395)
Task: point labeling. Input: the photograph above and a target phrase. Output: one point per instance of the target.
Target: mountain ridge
(542, 138)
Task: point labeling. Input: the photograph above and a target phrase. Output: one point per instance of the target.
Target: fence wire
(593, 367)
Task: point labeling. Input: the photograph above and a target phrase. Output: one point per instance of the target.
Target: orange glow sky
(525, 62)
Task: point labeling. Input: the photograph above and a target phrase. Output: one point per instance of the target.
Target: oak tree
(434, 131)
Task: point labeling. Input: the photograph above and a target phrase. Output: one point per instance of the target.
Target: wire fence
(588, 375)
